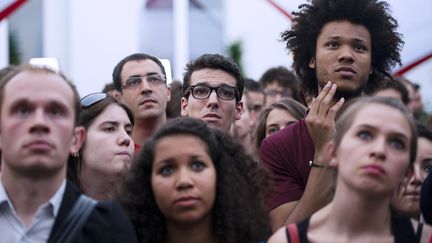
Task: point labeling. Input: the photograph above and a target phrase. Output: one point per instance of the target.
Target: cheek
(162, 189)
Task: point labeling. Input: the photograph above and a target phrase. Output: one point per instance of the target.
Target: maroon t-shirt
(287, 154)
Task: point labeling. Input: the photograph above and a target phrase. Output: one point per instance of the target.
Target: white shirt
(12, 230)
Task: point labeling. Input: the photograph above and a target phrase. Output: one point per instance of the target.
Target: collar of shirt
(55, 201)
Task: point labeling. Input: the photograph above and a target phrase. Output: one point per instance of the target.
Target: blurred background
(88, 38)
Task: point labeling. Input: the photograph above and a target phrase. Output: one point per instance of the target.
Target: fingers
(316, 102)
(335, 108)
(327, 101)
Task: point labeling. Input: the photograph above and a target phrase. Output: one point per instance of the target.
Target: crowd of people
(336, 150)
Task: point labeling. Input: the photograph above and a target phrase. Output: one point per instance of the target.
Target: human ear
(312, 63)
(77, 140)
(331, 150)
(238, 110)
(184, 104)
(168, 93)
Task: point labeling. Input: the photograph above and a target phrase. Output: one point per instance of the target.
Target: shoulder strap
(75, 219)
(292, 233)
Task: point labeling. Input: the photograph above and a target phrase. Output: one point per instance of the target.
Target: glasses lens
(155, 79)
(226, 92)
(201, 92)
(92, 99)
(132, 82)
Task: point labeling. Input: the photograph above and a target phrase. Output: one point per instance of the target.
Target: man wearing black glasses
(212, 90)
(140, 79)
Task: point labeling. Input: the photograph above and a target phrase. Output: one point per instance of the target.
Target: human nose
(184, 180)
(145, 86)
(124, 138)
(212, 99)
(39, 122)
(416, 176)
(378, 149)
(345, 55)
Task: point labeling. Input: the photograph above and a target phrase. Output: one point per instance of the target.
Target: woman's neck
(190, 233)
(97, 186)
(353, 216)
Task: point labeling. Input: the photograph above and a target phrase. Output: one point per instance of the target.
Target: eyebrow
(146, 74)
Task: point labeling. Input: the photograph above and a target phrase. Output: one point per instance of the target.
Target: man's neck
(144, 128)
(28, 194)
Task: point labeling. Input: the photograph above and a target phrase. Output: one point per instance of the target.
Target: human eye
(154, 79)
(23, 109)
(427, 165)
(133, 81)
(272, 130)
(397, 143)
(166, 170)
(198, 166)
(109, 129)
(55, 110)
(201, 91)
(364, 135)
(332, 44)
(360, 48)
(128, 130)
(226, 92)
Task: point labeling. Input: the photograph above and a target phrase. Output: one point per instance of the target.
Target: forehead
(279, 116)
(379, 115)
(140, 67)
(112, 113)
(344, 30)
(213, 77)
(39, 86)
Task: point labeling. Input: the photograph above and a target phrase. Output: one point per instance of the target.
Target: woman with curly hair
(371, 156)
(192, 183)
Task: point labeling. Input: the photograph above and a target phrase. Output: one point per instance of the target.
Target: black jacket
(107, 222)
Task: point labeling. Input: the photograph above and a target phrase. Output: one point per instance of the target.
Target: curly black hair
(374, 15)
(238, 213)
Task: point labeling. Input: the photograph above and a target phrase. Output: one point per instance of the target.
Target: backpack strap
(292, 233)
(75, 220)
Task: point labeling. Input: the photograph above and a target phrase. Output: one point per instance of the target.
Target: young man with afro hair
(341, 48)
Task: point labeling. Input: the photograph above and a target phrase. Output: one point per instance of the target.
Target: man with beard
(141, 80)
(341, 48)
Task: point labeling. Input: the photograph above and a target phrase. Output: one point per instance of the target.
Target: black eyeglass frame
(190, 91)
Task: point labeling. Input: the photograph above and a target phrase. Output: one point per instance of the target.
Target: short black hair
(134, 57)
(214, 61)
(373, 14)
(252, 85)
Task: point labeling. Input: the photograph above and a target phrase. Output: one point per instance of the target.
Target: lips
(187, 201)
(39, 145)
(148, 100)
(124, 153)
(346, 70)
(375, 170)
(212, 116)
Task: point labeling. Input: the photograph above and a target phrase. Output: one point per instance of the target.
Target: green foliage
(235, 51)
(14, 53)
